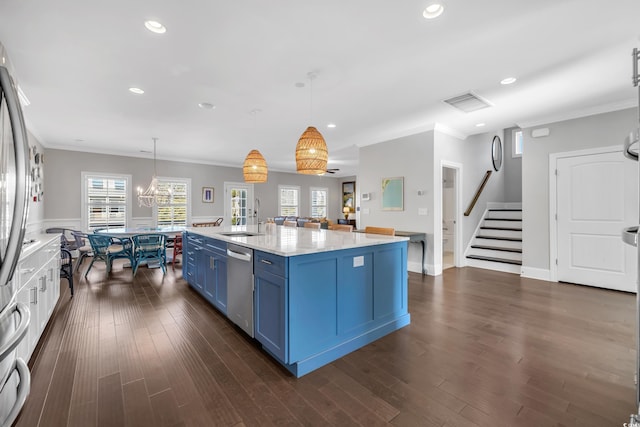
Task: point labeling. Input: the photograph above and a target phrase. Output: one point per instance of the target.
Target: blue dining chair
(149, 248)
(108, 248)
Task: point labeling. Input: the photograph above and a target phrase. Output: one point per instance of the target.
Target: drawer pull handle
(266, 261)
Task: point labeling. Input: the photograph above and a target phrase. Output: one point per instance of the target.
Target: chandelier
(311, 150)
(154, 196)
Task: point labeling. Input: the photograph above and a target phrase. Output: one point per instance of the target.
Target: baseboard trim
(536, 273)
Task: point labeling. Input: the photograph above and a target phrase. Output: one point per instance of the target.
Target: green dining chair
(149, 248)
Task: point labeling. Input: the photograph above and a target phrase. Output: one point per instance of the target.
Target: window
(516, 143)
(106, 200)
(319, 202)
(177, 212)
(289, 200)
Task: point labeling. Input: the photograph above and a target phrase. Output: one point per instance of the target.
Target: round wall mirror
(496, 152)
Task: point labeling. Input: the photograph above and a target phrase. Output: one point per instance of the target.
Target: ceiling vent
(468, 102)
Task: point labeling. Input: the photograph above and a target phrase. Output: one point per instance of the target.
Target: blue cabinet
(312, 309)
(270, 303)
(206, 268)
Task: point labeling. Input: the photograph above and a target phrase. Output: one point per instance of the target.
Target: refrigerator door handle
(20, 142)
(21, 330)
(628, 142)
(630, 236)
(23, 391)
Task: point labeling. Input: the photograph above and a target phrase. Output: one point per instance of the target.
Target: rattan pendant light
(311, 150)
(254, 168)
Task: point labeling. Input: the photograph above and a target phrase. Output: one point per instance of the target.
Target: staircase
(497, 244)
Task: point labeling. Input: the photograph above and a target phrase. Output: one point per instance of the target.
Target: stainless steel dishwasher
(240, 286)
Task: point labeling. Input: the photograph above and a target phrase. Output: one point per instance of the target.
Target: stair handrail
(477, 196)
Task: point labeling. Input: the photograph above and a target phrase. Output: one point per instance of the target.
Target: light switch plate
(423, 211)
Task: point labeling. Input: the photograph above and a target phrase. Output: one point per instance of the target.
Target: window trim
(154, 213)
(85, 175)
(514, 153)
(292, 187)
(326, 205)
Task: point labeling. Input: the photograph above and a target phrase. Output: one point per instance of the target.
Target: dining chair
(279, 220)
(109, 248)
(149, 248)
(341, 227)
(380, 230)
(177, 249)
(84, 249)
(66, 267)
(290, 223)
(314, 225)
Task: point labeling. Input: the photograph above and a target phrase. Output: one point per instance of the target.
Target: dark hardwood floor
(483, 348)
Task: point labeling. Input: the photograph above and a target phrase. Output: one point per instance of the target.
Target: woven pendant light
(254, 168)
(311, 153)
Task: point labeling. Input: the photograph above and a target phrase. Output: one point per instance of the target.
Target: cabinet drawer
(194, 240)
(216, 245)
(270, 263)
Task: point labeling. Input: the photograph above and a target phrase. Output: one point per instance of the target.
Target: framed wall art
(393, 194)
(207, 194)
(349, 196)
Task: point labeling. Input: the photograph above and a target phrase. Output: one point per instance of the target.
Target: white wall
(410, 157)
(63, 184)
(588, 132)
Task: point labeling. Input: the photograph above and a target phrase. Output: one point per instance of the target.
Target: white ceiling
(382, 71)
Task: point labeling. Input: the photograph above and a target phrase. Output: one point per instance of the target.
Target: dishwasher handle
(239, 255)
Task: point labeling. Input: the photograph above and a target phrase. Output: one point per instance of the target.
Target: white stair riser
(497, 266)
(495, 254)
(501, 243)
(501, 233)
(505, 224)
(504, 214)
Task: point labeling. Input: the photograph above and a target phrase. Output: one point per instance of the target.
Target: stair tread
(497, 248)
(503, 219)
(501, 228)
(511, 239)
(494, 259)
(504, 210)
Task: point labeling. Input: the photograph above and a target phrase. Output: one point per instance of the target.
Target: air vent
(468, 102)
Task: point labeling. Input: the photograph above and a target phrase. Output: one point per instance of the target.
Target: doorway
(238, 203)
(450, 215)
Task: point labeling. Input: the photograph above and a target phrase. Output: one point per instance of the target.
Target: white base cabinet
(37, 278)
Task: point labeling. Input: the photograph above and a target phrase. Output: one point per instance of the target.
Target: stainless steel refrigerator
(14, 316)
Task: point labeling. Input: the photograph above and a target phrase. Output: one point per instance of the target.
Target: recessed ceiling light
(79, 140)
(155, 27)
(136, 90)
(299, 84)
(480, 125)
(331, 125)
(433, 10)
(508, 81)
(206, 106)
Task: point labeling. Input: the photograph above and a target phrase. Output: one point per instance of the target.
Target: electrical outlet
(365, 211)
(423, 211)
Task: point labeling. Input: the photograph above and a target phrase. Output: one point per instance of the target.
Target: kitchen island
(317, 294)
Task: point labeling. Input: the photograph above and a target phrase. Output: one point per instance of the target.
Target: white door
(238, 203)
(597, 196)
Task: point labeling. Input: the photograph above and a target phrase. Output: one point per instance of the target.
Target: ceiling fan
(334, 170)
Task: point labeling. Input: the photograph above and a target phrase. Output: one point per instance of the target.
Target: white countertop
(35, 242)
(292, 241)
